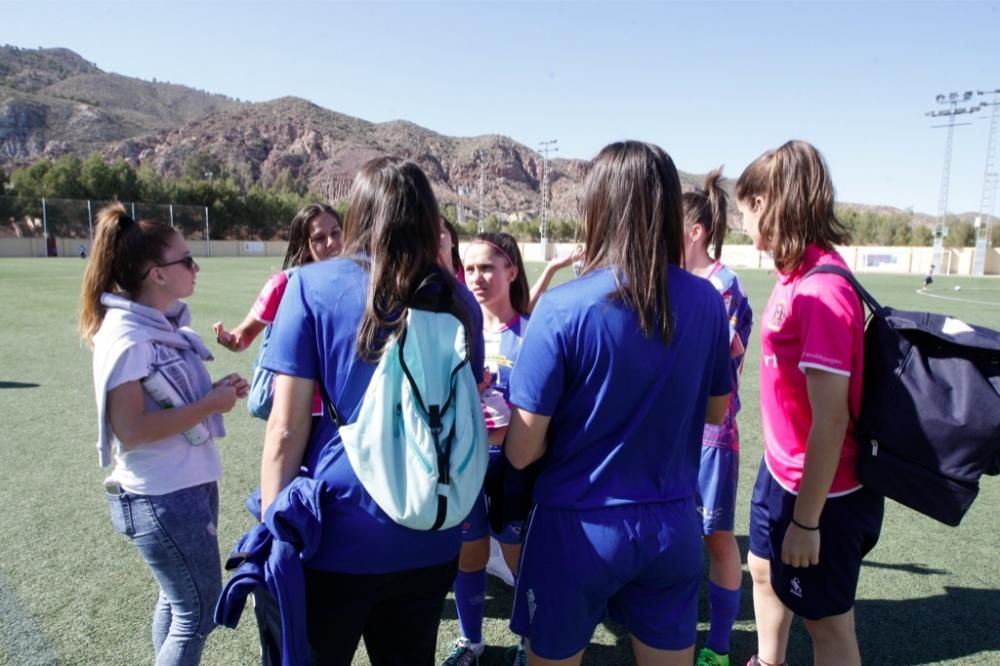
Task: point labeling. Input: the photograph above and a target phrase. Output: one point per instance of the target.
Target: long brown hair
(298, 253)
(506, 247)
(707, 207)
(794, 183)
(631, 208)
(123, 249)
(392, 218)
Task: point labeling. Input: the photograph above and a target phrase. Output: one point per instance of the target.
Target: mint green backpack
(419, 444)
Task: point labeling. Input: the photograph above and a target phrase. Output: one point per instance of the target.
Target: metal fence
(75, 218)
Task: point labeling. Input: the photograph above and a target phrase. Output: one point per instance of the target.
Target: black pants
(397, 613)
(265, 609)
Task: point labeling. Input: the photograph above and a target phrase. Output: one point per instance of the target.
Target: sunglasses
(188, 261)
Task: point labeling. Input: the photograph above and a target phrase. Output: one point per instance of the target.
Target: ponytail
(121, 251)
(707, 207)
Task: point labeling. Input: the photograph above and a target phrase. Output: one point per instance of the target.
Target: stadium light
(987, 200)
(546, 147)
(952, 100)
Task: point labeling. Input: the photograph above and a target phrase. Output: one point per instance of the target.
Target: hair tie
(124, 222)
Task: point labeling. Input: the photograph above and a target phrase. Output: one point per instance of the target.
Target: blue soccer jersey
(315, 337)
(627, 411)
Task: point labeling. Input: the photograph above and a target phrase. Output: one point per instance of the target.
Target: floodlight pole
(545, 147)
(952, 100)
(988, 199)
(482, 180)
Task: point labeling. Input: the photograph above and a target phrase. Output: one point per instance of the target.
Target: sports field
(74, 592)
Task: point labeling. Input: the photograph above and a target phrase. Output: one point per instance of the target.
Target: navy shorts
(718, 477)
(849, 528)
(640, 562)
(477, 525)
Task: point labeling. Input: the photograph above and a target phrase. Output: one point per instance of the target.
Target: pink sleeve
(266, 306)
(828, 312)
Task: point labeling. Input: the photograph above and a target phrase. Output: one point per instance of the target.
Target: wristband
(803, 527)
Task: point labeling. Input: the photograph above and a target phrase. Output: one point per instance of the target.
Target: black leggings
(397, 613)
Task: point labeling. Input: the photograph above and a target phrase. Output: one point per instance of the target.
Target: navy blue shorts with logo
(849, 529)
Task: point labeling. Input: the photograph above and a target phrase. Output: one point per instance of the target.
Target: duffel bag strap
(866, 298)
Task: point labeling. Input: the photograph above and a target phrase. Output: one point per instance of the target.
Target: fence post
(208, 235)
(90, 222)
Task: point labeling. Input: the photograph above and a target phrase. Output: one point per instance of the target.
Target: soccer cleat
(709, 657)
(462, 654)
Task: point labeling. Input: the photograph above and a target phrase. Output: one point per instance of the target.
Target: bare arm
(828, 400)
(526, 437)
(718, 405)
(240, 337)
(134, 426)
(286, 436)
(551, 268)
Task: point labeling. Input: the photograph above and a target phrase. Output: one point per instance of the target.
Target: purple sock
(725, 606)
(470, 597)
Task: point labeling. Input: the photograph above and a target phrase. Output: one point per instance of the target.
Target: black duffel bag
(929, 426)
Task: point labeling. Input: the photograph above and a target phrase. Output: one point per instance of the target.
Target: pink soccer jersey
(266, 306)
(808, 323)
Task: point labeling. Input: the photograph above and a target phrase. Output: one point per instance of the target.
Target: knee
(760, 570)
(474, 555)
(722, 545)
(835, 630)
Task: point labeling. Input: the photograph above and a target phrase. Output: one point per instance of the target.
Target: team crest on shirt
(778, 315)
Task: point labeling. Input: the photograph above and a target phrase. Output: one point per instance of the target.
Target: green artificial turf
(74, 592)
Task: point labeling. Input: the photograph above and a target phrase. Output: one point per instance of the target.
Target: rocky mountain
(53, 102)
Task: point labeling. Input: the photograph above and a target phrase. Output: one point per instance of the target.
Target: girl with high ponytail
(158, 414)
(705, 229)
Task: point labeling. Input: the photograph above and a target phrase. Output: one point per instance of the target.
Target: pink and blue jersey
(502, 347)
(266, 306)
(265, 309)
(808, 323)
(727, 283)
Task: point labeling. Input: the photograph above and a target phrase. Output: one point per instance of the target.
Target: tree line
(241, 208)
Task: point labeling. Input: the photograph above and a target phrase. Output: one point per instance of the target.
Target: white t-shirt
(166, 465)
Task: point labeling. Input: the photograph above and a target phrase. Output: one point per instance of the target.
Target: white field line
(924, 292)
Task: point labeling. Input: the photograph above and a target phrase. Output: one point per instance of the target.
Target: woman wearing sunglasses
(158, 415)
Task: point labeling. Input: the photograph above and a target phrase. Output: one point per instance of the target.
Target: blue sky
(712, 82)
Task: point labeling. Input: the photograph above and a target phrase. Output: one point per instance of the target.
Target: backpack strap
(434, 412)
(866, 298)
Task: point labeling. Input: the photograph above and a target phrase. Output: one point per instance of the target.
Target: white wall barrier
(862, 259)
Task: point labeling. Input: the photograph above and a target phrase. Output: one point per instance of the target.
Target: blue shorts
(477, 525)
(640, 562)
(718, 477)
(849, 528)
